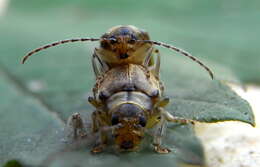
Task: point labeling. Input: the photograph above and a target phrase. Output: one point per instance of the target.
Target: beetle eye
(113, 40)
(131, 41)
(142, 121)
(115, 120)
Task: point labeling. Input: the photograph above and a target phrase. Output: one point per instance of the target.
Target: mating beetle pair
(128, 95)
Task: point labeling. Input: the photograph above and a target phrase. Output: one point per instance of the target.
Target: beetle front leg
(98, 126)
(156, 67)
(101, 142)
(99, 66)
(157, 141)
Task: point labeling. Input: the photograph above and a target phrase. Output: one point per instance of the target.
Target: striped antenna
(55, 44)
(184, 53)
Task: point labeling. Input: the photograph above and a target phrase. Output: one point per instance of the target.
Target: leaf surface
(38, 97)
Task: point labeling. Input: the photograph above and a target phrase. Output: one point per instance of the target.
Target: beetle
(128, 95)
(128, 104)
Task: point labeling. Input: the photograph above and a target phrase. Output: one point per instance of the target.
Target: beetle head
(132, 122)
(122, 44)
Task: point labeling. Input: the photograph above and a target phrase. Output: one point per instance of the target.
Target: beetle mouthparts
(127, 145)
(124, 56)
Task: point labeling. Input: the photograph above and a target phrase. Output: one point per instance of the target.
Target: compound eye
(113, 40)
(142, 121)
(115, 120)
(132, 40)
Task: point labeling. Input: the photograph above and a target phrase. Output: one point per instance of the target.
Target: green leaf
(13, 163)
(209, 101)
(38, 97)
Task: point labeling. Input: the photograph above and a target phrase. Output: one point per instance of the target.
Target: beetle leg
(169, 117)
(94, 65)
(100, 143)
(75, 124)
(159, 132)
(149, 60)
(164, 101)
(94, 102)
(94, 125)
(150, 64)
(99, 66)
(156, 69)
(97, 126)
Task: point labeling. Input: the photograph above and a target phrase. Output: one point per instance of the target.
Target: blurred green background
(53, 84)
(225, 32)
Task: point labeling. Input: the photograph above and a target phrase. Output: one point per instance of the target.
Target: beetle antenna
(55, 44)
(183, 52)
